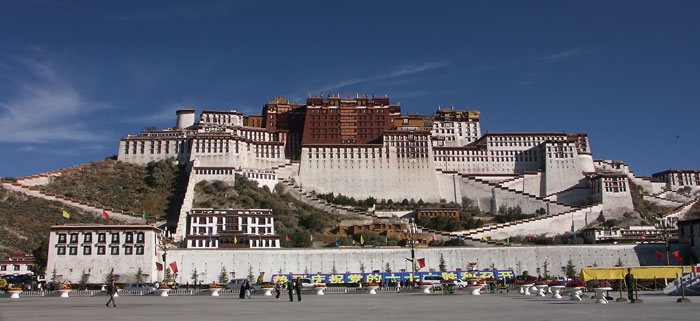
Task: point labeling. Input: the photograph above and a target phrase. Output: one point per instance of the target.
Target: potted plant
(64, 289)
(320, 287)
(163, 290)
(214, 289)
(575, 287)
(372, 287)
(601, 288)
(556, 287)
(541, 286)
(14, 291)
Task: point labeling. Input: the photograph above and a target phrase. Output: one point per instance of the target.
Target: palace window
(129, 237)
(115, 237)
(87, 237)
(139, 250)
(101, 237)
(61, 250)
(74, 237)
(115, 250)
(139, 237)
(100, 250)
(128, 250)
(73, 250)
(61, 238)
(87, 250)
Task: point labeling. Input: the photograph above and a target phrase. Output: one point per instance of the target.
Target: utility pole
(411, 234)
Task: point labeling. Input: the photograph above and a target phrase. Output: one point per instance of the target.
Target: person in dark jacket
(247, 289)
(278, 289)
(297, 287)
(241, 294)
(290, 289)
(111, 289)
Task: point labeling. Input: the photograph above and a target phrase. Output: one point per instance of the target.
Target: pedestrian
(111, 289)
(278, 289)
(398, 286)
(247, 289)
(298, 288)
(241, 292)
(290, 289)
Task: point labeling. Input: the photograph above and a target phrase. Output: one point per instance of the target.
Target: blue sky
(76, 76)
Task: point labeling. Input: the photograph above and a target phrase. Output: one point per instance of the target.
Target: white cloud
(45, 108)
(400, 72)
(565, 54)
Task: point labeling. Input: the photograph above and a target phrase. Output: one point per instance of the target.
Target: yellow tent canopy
(646, 272)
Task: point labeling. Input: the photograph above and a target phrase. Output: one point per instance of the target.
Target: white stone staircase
(691, 281)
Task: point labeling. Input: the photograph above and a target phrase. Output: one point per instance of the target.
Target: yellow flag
(362, 240)
(235, 240)
(485, 239)
(66, 214)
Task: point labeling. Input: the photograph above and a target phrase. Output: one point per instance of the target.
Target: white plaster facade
(242, 228)
(96, 249)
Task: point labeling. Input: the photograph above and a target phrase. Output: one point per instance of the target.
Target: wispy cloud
(406, 70)
(565, 55)
(45, 107)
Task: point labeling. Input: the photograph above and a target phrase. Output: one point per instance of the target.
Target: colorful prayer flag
(386, 240)
(311, 237)
(66, 214)
(288, 240)
(235, 240)
(104, 213)
(144, 214)
(337, 244)
(362, 240)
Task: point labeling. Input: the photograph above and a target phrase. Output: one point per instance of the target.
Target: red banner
(173, 266)
(159, 266)
(421, 263)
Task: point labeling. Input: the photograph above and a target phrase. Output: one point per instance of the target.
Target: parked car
(140, 287)
(235, 284)
(432, 279)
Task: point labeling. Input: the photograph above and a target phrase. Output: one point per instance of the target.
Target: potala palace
(364, 147)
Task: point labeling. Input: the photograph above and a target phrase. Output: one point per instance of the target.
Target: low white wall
(209, 262)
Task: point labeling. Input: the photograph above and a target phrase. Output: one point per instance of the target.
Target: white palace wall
(210, 262)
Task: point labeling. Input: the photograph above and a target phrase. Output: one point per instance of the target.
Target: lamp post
(665, 226)
(165, 242)
(411, 234)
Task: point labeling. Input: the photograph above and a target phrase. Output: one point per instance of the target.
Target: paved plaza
(384, 306)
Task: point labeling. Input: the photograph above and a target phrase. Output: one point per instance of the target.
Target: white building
(17, 264)
(231, 228)
(677, 179)
(97, 249)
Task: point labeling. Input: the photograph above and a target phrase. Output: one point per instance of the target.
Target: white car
(432, 279)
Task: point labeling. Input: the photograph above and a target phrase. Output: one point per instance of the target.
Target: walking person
(290, 289)
(298, 288)
(278, 289)
(241, 291)
(631, 284)
(111, 289)
(247, 289)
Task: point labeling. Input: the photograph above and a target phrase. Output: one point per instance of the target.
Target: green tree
(83, 279)
(570, 269)
(223, 276)
(387, 268)
(442, 266)
(334, 270)
(195, 277)
(362, 267)
(251, 276)
(139, 275)
(108, 278)
(168, 275)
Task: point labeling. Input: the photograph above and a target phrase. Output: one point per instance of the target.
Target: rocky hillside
(25, 222)
(156, 188)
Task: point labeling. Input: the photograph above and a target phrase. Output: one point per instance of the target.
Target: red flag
(644, 234)
(311, 237)
(288, 240)
(173, 266)
(159, 266)
(554, 237)
(104, 213)
(659, 255)
(677, 256)
(348, 95)
(529, 237)
(421, 263)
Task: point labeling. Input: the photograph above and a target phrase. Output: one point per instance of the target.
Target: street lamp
(411, 234)
(666, 226)
(165, 243)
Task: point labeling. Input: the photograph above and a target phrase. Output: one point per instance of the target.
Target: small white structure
(17, 264)
(231, 228)
(97, 249)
